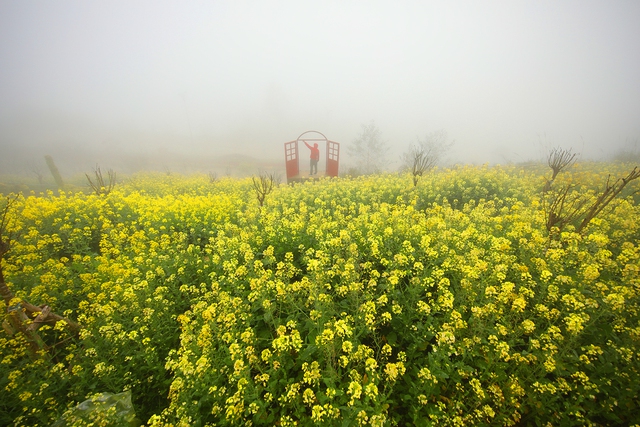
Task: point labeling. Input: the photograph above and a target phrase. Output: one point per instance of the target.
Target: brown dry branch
(558, 159)
(101, 187)
(263, 185)
(423, 161)
(571, 207)
(564, 208)
(610, 192)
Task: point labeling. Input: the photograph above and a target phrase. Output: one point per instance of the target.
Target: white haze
(120, 81)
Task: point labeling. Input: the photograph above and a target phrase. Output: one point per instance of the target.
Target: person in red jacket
(315, 157)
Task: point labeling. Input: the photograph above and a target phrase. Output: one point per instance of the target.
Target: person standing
(315, 157)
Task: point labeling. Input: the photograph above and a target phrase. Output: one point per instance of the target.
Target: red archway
(292, 155)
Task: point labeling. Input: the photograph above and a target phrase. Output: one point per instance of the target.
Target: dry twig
(99, 186)
(570, 207)
(558, 159)
(610, 192)
(423, 161)
(263, 185)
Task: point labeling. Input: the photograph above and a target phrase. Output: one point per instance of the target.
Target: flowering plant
(338, 302)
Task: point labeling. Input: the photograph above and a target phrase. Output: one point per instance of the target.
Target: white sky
(502, 78)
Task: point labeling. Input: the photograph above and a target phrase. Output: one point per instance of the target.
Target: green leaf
(392, 338)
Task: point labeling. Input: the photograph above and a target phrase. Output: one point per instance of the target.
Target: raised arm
(308, 146)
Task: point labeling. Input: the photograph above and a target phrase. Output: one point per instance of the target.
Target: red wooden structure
(292, 155)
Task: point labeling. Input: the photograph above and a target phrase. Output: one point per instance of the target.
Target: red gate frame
(292, 156)
(291, 159)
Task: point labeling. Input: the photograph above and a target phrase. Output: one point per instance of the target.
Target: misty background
(199, 85)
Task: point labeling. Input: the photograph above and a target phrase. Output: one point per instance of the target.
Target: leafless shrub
(558, 159)
(212, 177)
(609, 193)
(263, 185)
(100, 187)
(425, 154)
(567, 206)
(422, 162)
(563, 207)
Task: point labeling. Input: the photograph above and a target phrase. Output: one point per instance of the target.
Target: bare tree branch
(610, 192)
(425, 154)
(567, 206)
(99, 186)
(558, 159)
(263, 185)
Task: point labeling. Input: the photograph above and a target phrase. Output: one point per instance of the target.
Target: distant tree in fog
(35, 169)
(630, 153)
(369, 150)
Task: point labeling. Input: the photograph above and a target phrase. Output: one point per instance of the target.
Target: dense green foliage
(339, 302)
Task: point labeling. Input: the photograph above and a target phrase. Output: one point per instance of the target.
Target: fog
(168, 84)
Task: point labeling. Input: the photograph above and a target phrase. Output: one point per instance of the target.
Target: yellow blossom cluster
(360, 301)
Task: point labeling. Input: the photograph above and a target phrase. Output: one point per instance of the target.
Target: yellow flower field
(340, 302)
